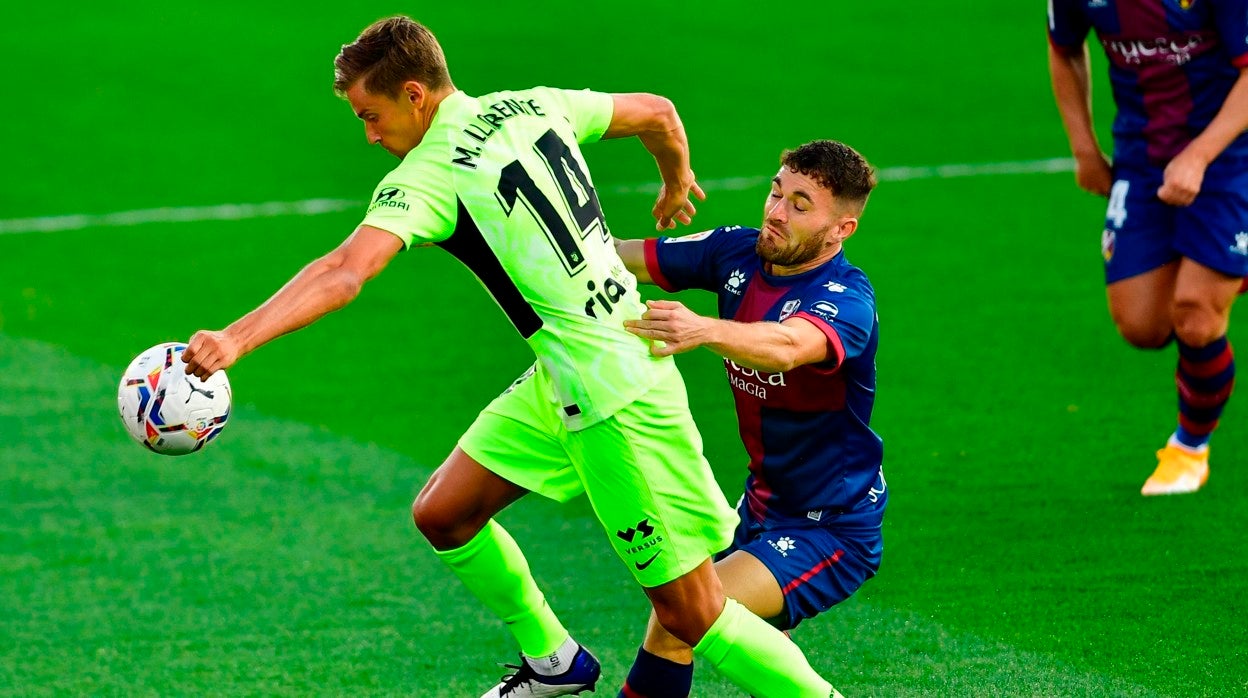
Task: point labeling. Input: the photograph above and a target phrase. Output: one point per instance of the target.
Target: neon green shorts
(642, 468)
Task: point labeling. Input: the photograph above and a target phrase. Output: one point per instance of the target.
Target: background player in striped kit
(1175, 240)
(798, 332)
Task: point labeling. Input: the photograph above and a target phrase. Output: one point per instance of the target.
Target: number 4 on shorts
(1117, 211)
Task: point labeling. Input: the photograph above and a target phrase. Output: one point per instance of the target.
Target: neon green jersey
(499, 182)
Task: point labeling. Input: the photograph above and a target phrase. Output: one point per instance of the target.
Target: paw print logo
(783, 545)
(736, 280)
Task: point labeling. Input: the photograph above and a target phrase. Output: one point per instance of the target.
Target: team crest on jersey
(789, 308)
(1108, 238)
(1187, 4)
(692, 237)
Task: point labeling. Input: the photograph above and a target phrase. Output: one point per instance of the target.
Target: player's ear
(414, 92)
(848, 226)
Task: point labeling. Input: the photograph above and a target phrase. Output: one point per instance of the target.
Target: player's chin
(767, 247)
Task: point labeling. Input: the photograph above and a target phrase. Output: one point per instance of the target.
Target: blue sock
(653, 676)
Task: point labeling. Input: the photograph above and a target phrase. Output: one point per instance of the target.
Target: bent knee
(689, 622)
(1141, 327)
(1196, 324)
(1145, 336)
(444, 528)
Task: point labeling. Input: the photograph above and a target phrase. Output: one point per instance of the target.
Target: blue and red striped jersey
(814, 459)
(1171, 65)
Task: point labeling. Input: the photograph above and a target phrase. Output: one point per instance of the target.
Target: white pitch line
(312, 207)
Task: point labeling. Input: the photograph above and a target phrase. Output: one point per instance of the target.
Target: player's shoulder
(521, 93)
(840, 279)
(855, 277)
(723, 236)
(428, 162)
(540, 100)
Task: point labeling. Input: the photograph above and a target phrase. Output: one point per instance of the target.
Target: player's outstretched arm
(654, 120)
(766, 346)
(633, 253)
(1185, 174)
(1072, 88)
(323, 286)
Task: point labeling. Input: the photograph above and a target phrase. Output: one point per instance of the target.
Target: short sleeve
(1068, 25)
(847, 318)
(589, 112)
(415, 202)
(1231, 19)
(690, 261)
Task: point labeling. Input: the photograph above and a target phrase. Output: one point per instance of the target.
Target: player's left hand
(1182, 179)
(676, 205)
(671, 327)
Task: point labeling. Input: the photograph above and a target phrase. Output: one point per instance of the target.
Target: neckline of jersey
(838, 260)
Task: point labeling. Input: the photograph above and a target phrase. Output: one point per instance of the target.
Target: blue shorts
(817, 567)
(1142, 233)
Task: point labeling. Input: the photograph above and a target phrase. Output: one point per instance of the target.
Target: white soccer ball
(167, 410)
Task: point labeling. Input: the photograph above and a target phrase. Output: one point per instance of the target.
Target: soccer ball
(167, 410)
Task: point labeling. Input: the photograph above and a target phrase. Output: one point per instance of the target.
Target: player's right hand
(675, 205)
(1093, 174)
(208, 352)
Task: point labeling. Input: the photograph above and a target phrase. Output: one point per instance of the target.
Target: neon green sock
(759, 658)
(495, 571)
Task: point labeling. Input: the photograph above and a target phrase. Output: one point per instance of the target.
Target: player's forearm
(1072, 89)
(1229, 123)
(633, 254)
(765, 346)
(318, 289)
(653, 119)
(671, 152)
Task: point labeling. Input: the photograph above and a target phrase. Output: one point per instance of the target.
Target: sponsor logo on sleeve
(824, 309)
(789, 308)
(692, 237)
(389, 197)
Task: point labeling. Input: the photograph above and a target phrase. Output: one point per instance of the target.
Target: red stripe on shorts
(823, 565)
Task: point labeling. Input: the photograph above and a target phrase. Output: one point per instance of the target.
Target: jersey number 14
(581, 206)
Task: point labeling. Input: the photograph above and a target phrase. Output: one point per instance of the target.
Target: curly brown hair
(835, 166)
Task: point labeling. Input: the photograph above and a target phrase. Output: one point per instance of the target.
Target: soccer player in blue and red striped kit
(798, 330)
(1175, 240)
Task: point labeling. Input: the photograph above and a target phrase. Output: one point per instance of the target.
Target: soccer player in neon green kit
(500, 183)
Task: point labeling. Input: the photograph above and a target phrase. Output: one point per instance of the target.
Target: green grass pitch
(1020, 559)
